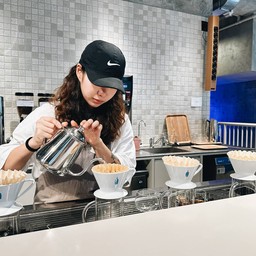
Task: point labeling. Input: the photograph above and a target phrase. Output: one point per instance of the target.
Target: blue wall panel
(234, 102)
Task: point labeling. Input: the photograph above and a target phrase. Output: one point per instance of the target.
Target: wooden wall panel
(212, 53)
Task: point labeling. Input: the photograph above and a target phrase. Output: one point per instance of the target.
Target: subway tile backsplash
(164, 49)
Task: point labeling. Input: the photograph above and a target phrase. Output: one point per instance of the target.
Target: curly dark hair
(72, 106)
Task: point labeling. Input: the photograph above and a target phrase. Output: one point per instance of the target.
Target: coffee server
(1, 120)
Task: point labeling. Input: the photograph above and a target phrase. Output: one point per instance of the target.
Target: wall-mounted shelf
(212, 53)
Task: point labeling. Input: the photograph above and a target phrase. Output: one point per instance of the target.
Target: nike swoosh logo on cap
(109, 63)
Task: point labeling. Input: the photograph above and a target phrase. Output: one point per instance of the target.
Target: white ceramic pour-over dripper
(243, 167)
(182, 174)
(114, 181)
(181, 170)
(11, 192)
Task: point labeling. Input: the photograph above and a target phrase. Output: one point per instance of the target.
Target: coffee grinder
(43, 98)
(24, 103)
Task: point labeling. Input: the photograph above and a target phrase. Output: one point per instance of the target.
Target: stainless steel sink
(164, 150)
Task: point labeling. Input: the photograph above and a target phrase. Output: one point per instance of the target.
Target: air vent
(224, 8)
(236, 54)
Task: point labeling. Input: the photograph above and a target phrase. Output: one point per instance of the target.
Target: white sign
(196, 101)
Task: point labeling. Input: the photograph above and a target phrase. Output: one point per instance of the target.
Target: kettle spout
(89, 164)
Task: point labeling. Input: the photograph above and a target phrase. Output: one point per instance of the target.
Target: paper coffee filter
(109, 168)
(180, 161)
(11, 176)
(242, 155)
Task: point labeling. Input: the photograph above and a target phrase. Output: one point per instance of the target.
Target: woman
(90, 96)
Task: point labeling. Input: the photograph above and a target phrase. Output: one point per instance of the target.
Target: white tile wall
(40, 41)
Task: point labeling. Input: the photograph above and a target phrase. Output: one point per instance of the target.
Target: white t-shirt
(123, 147)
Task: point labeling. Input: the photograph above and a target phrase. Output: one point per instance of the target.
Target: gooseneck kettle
(60, 153)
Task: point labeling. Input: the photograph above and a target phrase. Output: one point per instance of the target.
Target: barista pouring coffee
(91, 97)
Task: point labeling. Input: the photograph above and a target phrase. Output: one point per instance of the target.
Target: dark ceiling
(204, 8)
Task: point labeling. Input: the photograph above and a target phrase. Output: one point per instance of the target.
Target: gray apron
(51, 188)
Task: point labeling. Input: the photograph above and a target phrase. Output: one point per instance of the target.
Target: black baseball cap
(104, 64)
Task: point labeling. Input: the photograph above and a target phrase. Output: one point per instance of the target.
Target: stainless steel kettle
(60, 153)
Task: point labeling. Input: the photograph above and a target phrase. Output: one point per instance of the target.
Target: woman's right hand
(46, 128)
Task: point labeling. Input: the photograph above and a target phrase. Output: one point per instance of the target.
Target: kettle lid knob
(78, 133)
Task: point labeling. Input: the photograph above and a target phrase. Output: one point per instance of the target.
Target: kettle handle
(86, 168)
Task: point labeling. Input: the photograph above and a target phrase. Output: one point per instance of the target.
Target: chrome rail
(241, 135)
